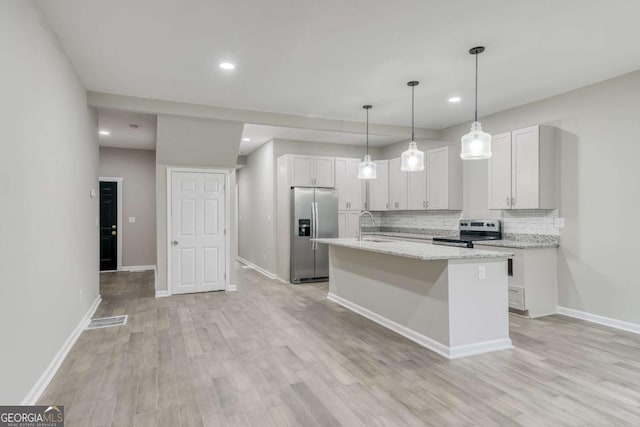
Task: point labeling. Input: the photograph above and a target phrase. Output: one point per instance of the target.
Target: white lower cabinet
(348, 223)
(533, 283)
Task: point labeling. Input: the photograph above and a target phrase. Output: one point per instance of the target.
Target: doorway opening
(111, 223)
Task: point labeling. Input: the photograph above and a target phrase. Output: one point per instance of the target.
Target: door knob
(174, 243)
(113, 226)
(113, 233)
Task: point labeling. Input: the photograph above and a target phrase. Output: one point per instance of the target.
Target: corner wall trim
(36, 391)
(256, 268)
(601, 320)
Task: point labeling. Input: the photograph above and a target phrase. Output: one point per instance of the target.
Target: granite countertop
(517, 244)
(414, 250)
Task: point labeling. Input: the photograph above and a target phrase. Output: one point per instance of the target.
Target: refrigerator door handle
(313, 225)
(317, 224)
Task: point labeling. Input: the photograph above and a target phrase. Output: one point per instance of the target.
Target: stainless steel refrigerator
(314, 214)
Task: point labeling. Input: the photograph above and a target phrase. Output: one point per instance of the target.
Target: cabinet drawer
(516, 297)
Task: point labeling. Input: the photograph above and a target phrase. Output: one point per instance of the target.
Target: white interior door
(198, 241)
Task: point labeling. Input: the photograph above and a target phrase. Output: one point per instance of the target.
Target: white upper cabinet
(302, 168)
(349, 186)
(398, 182)
(379, 187)
(444, 179)
(522, 169)
(310, 171)
(417, 191)
(348, 223)
(500, 172)
(323, 171)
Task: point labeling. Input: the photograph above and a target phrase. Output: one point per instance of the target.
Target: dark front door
(108, 226)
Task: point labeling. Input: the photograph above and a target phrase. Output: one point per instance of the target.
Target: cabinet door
(352, 223)
(379, 188)
(342, 183)
(355, 184)
(437, 165)
(342, 224)
(417, 190)
(302, 167)
(323, 171)
(398, 181)
(525, 172)
(500, 172)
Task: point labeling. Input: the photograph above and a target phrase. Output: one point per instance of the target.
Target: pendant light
(367, 168)
(476, 145)
(412, 159)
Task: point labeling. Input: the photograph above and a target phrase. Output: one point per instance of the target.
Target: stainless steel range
(472, 230)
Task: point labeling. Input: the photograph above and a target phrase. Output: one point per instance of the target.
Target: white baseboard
(478, 348)
(256, 268)
(435, 346)
(162, 294)
(232, 288)
(282, 280)
(136, 268)
(48, 374)
(601, 320)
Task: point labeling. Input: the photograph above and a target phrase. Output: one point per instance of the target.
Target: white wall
(256, 200)
(49, 250)
(138, 170)
(191, 142)
(598, 191)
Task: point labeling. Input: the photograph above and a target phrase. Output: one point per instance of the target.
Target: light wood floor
(278, 354)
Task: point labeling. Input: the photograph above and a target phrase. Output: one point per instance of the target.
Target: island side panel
(479, 307)
(397, 290)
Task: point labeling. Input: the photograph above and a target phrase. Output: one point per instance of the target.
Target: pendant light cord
(367, 131)
(412, 112)
(476, 110)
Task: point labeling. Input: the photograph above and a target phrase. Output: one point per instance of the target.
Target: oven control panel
(480, 225)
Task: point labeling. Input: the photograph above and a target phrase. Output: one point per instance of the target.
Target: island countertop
(415, 250)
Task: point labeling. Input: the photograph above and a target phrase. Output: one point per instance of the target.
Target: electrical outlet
(558, 222)
(132, 219)
(482, 273)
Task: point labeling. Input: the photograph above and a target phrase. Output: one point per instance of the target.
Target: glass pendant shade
(412, 159)
(367, 169)
(476, 145)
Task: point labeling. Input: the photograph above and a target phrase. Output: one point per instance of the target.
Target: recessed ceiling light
(105, 132)
(454, 99)
(246, 139)
(227, 66)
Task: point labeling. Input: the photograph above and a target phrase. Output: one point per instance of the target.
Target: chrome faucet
(373, 222)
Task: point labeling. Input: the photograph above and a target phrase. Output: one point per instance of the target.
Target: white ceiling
(325, 58)
(122, 135)
(259, 134)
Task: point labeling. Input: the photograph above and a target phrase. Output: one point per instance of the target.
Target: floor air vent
(106, 322)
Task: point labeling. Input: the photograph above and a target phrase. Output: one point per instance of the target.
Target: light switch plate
(482, 273)
(132, 219)
(558, 222)
(92, 193)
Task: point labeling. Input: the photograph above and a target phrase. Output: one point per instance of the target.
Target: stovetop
(473, 230)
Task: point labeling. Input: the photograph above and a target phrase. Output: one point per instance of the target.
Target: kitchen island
(453, 301)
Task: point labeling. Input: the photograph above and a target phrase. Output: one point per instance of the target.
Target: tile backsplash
(530, 222)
